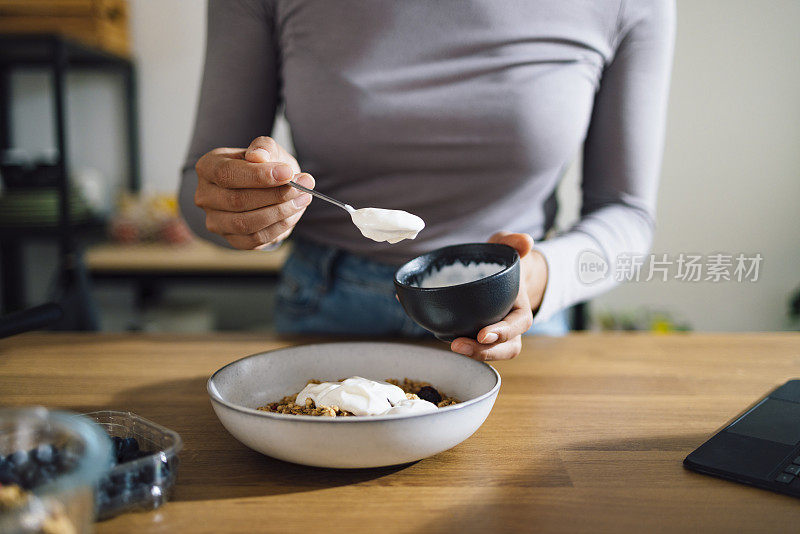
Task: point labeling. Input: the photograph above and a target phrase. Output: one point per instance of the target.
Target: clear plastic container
(142, 484)
(70, 455)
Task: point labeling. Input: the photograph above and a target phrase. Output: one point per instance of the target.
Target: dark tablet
(761, 447)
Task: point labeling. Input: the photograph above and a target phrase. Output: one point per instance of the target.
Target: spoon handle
(347, 207)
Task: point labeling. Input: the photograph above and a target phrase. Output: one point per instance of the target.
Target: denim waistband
(311, 273)
(330, 262)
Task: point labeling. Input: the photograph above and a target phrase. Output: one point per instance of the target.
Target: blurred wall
(169, 46)
(731, 173)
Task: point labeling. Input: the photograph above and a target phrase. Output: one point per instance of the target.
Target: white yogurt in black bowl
(457, 290)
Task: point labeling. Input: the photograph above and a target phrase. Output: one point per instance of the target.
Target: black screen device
(761, 447)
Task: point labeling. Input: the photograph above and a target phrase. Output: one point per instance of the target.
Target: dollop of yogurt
(381, 224)
(412, 406)
(361, 396)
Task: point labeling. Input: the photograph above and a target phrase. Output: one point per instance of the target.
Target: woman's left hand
(503, 340)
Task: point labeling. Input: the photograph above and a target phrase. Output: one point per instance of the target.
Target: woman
(464, 112)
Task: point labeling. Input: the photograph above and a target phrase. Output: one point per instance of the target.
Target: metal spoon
(369, 224)
(347, 207)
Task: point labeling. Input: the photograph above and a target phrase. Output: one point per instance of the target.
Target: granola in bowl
(356, 396)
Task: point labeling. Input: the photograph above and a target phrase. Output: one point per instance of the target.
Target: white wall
(169, 45)
(731, 174)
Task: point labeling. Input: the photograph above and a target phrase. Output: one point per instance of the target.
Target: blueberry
(104, 485)
(147, 474)
(103, 500)
(8, 474)
(18, 458)
(66, 460)
(129, 480)
(112, 486)
(162, 473)
(44, 453)
(30, 475)
(49, 471)
(126, 496)
(429, 394)
(126, 449)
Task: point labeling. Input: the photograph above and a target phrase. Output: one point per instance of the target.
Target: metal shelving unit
(59, 55)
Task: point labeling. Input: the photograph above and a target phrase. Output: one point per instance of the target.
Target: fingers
(522, 242)
(263, 164)
(264, 149)
(495, 351)
(285, 235)
(514, 324)
(250, 222)
(212, 196)
(245, 195)
(235, 173)
(275, 232)
(501, 340)
(498, 237)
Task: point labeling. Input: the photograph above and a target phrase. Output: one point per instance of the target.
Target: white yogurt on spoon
(377, 224)
(381, 224)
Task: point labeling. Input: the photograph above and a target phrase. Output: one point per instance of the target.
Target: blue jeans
(328, 291)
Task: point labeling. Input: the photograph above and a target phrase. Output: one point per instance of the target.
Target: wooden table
(587, 435)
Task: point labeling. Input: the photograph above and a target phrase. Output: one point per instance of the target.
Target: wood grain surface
(587, 435)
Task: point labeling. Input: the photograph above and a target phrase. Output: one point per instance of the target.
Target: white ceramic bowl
(348, 442)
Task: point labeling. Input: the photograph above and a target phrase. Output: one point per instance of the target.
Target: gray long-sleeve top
(464, 112)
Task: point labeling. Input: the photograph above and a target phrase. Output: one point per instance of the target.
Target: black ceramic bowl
(460, 310)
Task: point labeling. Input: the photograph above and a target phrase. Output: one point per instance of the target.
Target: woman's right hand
(245, 195)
